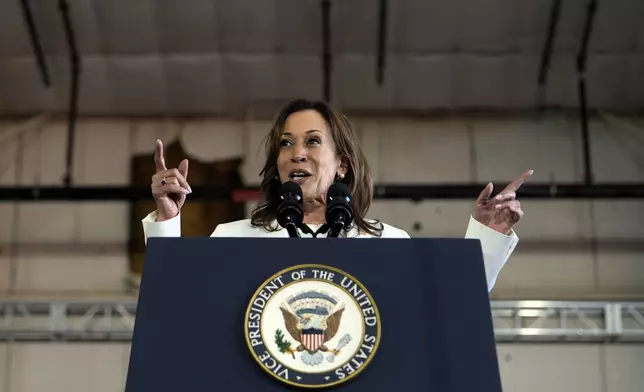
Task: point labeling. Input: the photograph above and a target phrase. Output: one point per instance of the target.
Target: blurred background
(446, 96)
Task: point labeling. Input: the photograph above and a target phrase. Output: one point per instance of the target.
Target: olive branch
(283, 345)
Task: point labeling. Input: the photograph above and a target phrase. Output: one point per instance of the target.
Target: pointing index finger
(159, 160)
(516, 184)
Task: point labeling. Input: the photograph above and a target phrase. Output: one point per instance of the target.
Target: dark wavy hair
(358, 176)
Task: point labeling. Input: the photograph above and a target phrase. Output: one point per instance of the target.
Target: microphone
(290, 212)
(339, 212)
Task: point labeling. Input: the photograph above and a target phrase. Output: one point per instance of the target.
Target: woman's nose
(299, 155)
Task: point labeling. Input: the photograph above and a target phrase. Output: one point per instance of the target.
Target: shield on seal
(312, 339)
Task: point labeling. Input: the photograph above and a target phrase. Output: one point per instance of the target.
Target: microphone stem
(336, 228)
(292, 230)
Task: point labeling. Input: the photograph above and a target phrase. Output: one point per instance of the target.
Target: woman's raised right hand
(169, 186)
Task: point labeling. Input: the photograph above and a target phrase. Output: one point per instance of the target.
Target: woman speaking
(314, 146)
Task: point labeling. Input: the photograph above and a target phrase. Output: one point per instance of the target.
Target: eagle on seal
(312, 329)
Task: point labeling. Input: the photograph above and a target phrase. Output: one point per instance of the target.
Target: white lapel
(282, 233)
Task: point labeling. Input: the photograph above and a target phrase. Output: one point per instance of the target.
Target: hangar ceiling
(221, 57)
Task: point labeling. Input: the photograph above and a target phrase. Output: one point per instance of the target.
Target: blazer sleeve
(168, 228)
(497, 248)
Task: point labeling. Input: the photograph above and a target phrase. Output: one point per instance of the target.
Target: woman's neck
(314, 213)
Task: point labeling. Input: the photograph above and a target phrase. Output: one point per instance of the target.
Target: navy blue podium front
(276, 314)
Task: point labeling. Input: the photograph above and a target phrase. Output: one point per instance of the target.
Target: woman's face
(307, 154)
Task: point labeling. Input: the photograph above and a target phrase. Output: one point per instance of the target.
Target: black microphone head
(290, 209)
(290, 189)
(339, 190)
(339, 206)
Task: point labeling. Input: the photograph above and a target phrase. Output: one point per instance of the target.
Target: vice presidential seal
(312, 326)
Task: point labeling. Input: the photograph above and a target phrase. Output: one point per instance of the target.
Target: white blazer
(497, 247)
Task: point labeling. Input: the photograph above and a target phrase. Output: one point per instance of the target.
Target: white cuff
(168, 228)
(497, 248)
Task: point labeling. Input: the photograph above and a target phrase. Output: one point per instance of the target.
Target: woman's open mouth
(299, 176)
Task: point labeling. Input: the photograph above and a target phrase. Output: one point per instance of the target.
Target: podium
(278, 314)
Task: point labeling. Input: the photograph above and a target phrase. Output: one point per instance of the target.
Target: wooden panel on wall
(197, 218)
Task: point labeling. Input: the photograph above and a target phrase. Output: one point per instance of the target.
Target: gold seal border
(321, 266)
